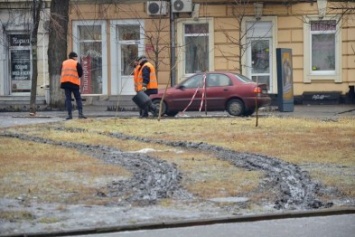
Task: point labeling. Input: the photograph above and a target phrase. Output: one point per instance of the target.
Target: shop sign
(20, 65)
(20, 40)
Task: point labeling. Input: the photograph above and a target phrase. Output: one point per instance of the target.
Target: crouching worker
(146, 80)
(71, 72)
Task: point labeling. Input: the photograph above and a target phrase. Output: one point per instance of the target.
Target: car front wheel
(235, 107)
(157, 105)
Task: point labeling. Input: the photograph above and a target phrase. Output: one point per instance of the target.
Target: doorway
(128, 43)
(260, 52)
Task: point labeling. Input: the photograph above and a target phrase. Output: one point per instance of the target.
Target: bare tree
(57, 47)
(37, 5)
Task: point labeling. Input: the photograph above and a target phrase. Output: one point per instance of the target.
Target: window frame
(13, 48)
(181, 50)
(116, 77)
(321, 32)
(76, 48)
(246, 57)
(314, 75)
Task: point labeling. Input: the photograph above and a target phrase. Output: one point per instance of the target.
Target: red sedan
(219, 91)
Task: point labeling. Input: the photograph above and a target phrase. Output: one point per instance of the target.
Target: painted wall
(290, 34)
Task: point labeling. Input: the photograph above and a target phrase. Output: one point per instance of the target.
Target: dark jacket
(145, 73)
(146, 78)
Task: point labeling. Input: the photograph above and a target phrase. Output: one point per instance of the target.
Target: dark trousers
(77, 97)
(144, 112)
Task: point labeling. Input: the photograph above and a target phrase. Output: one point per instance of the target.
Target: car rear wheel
(157, 105)
(235, 107)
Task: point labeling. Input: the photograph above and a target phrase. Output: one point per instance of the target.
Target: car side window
(218, 80)
(225, 80)
(213, 80)
(193, 82)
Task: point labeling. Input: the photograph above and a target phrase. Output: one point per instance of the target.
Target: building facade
(182, 37)
(16, 23)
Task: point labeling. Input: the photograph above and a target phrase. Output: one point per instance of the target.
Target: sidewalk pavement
(316, 111)
(313, 226)
(322, 112)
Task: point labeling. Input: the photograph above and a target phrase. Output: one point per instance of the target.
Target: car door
(217, 91)
(188, 94)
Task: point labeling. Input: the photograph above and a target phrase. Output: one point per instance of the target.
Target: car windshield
(193, 82)
(243, 78)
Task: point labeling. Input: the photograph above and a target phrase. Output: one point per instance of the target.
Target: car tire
(163, 107)
(235, 107)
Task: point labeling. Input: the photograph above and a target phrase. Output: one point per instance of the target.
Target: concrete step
(20, 100)
(20, 103)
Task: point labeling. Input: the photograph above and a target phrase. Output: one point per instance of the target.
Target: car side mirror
(181, 87)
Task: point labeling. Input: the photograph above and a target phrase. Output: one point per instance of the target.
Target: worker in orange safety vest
(71, 72)
(146, 81)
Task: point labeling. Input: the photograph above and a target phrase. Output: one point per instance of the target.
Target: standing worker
(71, 73)
(147, 82)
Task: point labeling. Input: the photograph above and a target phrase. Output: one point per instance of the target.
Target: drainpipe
(172, 49)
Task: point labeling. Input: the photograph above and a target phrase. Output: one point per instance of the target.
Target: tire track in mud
(152, 179)
(295, 188)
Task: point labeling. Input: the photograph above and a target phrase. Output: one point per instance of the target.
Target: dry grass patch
(294, 140)
(207, 177)
(16, 215)
(204, 175)
(51, 173)
(298, 141)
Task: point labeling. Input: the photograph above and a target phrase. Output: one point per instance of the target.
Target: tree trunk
(36, 18)
(57, 48)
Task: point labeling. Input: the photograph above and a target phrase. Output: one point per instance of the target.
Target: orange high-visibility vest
(69, 72)
(136, 79)
(153, 83)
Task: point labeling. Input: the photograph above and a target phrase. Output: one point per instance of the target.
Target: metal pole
(33, 53)
(172, 49)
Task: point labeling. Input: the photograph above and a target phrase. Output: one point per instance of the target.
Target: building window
(195, 47)
(89, 46)
(128, 36)
(322, 50)
(323, 46)
(196, 44)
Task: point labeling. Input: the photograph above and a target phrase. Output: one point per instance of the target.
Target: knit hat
(73, 55)
(141, 57)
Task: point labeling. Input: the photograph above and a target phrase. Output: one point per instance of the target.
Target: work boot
(69, 116)
(81, 115)
(153, 109)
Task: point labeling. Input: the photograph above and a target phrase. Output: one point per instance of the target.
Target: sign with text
(86, 80)
(21, 70)
(19, 40)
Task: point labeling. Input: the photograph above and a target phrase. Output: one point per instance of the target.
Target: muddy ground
(137, 200)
